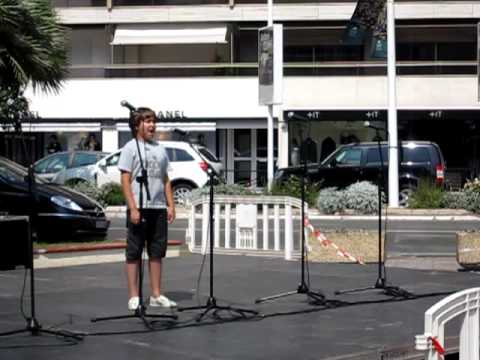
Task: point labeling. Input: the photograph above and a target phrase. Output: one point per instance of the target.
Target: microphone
(367, 124)
(129, 106)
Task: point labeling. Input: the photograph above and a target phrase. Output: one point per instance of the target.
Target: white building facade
(195, 63)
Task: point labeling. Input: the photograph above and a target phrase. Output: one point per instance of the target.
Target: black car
(61, 211)
(361, 161)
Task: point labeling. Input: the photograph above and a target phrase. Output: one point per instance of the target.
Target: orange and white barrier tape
(325, 242)
(437, 346)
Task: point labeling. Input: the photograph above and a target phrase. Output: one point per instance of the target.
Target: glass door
(242, 156)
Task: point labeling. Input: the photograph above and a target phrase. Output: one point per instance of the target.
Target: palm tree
(32, 46)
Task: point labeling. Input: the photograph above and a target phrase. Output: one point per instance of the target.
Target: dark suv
(361, 161)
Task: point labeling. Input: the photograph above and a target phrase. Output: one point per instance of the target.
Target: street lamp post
(270, 118)
(392, 108)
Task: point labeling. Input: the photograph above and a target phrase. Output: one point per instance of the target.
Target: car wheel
(405, 196)
(182, 193)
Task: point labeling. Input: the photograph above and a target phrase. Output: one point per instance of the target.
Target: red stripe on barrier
(436, 344)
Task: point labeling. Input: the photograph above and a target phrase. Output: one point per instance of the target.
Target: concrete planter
(468, 249)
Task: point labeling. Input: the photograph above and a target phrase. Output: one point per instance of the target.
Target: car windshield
(345, 156)
(12, 172)
(207, 154)
(85, 158)
(52, 164)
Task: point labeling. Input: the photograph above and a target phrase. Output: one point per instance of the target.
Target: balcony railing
(113, 3)
(290, 69)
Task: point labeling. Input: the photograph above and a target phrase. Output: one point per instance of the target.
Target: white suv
(187, 171)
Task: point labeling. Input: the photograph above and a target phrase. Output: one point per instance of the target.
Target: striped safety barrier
(317, 234)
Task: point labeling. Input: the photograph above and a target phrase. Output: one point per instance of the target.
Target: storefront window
(261, 173)
(242, 171)
(262, 143)
(242, 143)
(313, 140)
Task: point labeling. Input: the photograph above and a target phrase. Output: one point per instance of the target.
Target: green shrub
(293, 187)
(86, 188)
(330, 200)
(362, 197)
(108, 194)
(472, 185)
(454, 200)
(224, 189)
(111, 194)
(426, 196)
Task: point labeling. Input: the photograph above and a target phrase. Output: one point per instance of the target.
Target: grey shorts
(153, 231)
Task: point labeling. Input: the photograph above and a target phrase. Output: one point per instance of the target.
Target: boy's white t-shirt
(155, 161)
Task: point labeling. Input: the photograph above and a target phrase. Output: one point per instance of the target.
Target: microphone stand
(33, 326)
(211, 304)
(140, 311)
(317, 298)
(381, 282)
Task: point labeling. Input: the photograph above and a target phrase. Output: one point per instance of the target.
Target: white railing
(464, 304)
(249, 215)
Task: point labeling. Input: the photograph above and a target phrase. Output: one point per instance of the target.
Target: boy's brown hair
(140, 113)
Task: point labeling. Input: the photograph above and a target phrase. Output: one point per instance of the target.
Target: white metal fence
(242, 219)
(465, 305)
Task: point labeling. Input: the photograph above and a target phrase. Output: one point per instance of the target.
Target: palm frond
(32, 44)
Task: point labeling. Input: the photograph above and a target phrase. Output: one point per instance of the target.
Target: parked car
(361, 161)
(48, 167)
(61, 212)
(188, 169)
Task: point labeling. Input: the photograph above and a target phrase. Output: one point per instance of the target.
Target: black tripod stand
(381, 282)
(140, 311)
(33, 326)
(316, 298)
(211, 305)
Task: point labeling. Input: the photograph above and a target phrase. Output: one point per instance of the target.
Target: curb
(116, 245)
(119, 212)
(393, 214)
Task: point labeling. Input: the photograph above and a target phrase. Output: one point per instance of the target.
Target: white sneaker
(133, 303)
(162, 301)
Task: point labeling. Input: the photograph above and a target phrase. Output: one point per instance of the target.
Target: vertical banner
(270, 65)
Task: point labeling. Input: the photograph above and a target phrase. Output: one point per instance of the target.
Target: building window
(89, 46)
(242, 143)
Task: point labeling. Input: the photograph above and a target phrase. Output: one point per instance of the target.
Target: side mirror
(102, 164)
(333, 163)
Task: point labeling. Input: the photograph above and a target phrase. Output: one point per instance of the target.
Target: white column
(109, 139)
(270, 147)
(192, 228)
(276, 227)
(265, 226)
(205, 222)
(270, 118)
(392, 108)
(217, 225)
(282, 141)
(288, 232)
(228, 215)
(270, 12)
